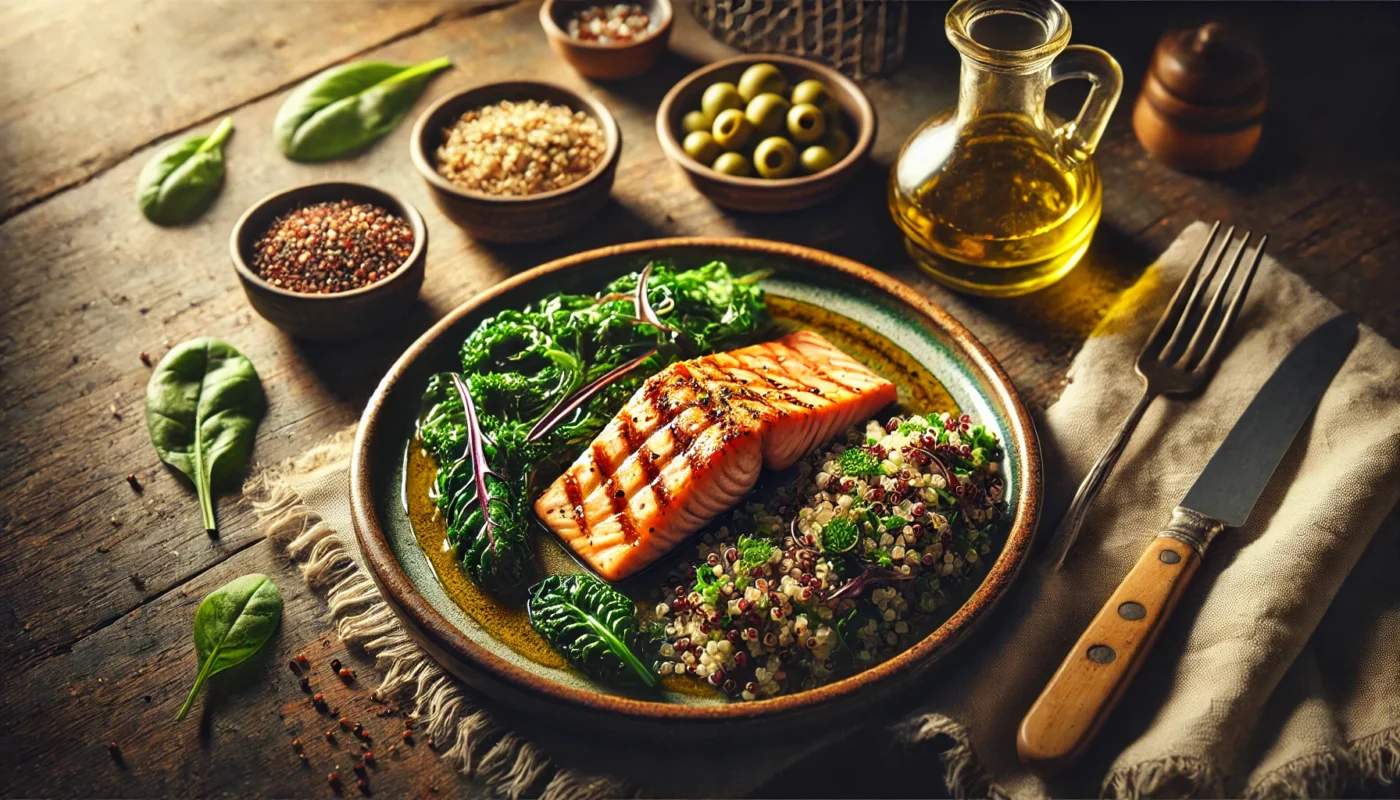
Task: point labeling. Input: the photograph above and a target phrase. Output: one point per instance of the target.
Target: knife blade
(1236, 475)
(1093, 676)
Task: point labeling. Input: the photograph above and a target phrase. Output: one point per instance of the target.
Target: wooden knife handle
(1092, 678)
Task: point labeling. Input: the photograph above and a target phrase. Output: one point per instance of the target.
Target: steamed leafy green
(593, 625)
(522, 364)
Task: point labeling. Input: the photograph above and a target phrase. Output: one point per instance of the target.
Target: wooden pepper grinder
(1202, 102)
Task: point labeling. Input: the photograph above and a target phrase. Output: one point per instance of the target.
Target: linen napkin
(1249, 690)
(1278, 676)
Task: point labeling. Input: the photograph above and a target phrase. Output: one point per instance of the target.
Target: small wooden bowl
(607, 62)
(342, 315)
(761, 194)
(531, 218)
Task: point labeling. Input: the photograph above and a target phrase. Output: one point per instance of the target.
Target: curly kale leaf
(593, 625)
(486, 518)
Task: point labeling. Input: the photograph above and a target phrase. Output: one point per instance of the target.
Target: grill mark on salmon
(692, 441)
(575, 498)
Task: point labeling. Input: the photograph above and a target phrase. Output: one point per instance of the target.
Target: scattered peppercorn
(296, 744)
(362, 785)
(115, 752)
(333, 779)
(346, 724)
(146, 358)
(346, 674)
(335, 665)
(360, 767)
(292, 665)
(306, 685)
(429, 741)
(134, 483)
(330, 736)
(369, 757)
(305, 762)
(332, 247)
(303, 660)
(357, 729)
(408, 736)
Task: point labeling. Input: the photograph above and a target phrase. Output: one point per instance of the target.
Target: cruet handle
(1079, 138)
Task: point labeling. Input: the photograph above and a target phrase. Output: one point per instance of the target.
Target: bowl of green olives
(767, 132)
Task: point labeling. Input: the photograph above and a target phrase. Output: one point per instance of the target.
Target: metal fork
(1179, 357)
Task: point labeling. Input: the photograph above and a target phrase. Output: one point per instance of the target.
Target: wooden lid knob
(1202, 99)
(1211, 65)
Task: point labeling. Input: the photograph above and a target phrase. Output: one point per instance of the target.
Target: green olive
(817, 158)
(702, 147)
(814, 92)
(766, 113)
(719, 97)
(760, 78)
(775, 157)
(805, 123)
(732, 164)
(837, 141)
(732, 129)
(696, 121)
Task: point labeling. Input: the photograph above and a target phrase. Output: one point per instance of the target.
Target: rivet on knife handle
(1088, 684)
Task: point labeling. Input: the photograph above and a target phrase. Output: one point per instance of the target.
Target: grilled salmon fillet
(691, 443)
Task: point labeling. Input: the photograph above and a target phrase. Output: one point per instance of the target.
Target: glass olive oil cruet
(997, 196)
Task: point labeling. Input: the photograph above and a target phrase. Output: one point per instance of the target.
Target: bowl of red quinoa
(518, 161)
(330, 261)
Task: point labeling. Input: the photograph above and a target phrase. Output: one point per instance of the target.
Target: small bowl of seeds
(330, 261)
(519, 161)
(606, 40)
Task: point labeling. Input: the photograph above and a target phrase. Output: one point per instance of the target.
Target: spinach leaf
(181, 179)
(348, 107)
(593, 625)
(232, 623)
(203, 406)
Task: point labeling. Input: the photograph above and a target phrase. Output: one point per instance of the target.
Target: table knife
(1095, 673)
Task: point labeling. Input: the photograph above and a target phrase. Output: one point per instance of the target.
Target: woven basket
(861, 38)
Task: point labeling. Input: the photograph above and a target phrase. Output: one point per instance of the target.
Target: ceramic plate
(935, 361)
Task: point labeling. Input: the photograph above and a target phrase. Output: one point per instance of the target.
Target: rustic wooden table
(99, 582)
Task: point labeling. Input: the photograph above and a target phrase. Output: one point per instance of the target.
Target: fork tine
(1178, 304)
(1233, 311)
(1196, 291)
(1206, 326)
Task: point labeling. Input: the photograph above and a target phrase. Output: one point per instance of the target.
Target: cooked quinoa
(520, 149)
(836, 571)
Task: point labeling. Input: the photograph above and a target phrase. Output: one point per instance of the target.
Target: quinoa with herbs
(332, 247)
(519, 149)
(836, 570)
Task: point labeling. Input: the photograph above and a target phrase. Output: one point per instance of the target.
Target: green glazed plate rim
(379, 442)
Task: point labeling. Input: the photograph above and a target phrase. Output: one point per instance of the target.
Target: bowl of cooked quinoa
(517, 161)
(846, 562)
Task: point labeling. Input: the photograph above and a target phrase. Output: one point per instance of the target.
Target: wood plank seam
(33, 660)
(116, 161)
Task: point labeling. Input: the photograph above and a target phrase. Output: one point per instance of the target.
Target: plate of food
(687, 481)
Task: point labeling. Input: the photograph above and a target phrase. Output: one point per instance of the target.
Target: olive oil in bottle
(996, 196)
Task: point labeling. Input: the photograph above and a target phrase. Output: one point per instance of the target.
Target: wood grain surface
(98, 583)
